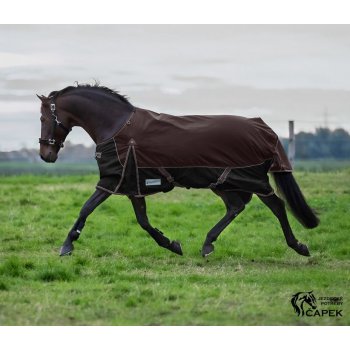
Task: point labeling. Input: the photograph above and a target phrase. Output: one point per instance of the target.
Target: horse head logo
(300, 300)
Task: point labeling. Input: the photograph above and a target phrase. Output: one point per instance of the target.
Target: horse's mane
(95, 86)
(294, 303)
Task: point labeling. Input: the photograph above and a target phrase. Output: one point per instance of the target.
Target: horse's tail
(291, 192)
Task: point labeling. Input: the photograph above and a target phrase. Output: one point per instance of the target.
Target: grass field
(119, 276)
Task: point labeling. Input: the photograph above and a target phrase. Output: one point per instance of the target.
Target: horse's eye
(42, 119)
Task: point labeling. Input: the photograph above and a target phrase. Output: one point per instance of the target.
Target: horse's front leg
(139, 205)
(94, 201)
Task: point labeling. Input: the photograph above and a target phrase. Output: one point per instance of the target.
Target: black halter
(55, 123)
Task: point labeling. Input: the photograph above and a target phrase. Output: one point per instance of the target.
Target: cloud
(10, 59)
(280, 72)
(10, 107)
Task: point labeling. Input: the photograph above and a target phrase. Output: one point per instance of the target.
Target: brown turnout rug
(154, 152)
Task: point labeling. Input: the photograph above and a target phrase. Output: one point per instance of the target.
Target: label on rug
(153, 182)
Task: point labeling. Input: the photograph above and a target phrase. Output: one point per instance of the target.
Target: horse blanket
(154, 152)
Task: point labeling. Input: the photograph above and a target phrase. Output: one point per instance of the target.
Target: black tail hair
(291, 192)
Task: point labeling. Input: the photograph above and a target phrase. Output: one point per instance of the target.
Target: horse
(300, 298)
(140, 153)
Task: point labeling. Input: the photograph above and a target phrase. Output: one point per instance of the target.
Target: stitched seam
(204, 166)
(137, 171)
(116, 149)
(124, 125)
(265, 195)
(123, 172)
(105, 189)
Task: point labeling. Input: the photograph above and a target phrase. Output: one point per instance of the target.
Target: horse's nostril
(42, 157)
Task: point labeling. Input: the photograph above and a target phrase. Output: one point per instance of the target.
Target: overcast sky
(277, 72)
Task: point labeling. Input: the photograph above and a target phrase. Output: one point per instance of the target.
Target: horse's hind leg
(235, 203)
(277, 206)
(94, 201)
(139, 205)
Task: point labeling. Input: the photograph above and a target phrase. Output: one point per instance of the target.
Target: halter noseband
(55, 122)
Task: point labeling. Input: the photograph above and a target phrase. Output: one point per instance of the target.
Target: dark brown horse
(140, 152)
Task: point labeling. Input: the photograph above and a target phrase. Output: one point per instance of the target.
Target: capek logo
(304, 304)
(303, 301)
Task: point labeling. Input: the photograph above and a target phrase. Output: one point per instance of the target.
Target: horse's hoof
(175, 247)
(207, 249)
(66, 249)
(302, 249)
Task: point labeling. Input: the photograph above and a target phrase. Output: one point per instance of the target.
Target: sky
(276, 72)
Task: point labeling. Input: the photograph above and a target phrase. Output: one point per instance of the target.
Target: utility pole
(291, 145)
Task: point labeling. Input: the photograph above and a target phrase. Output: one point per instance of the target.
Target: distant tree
(322, 140)
(304, 145)
(324, 143)
(340, 144)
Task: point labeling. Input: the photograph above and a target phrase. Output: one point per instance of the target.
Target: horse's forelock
(52, 93)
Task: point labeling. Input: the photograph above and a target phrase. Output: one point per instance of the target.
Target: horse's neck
(101, 120)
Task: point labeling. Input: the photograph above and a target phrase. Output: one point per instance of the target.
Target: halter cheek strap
(55, 122)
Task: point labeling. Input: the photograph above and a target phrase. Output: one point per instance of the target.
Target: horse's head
(310, 299)
(54, 129)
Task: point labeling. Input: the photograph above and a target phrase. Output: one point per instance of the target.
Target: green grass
(83, 168)
(17, 168)
(119, 276)
(322, 165)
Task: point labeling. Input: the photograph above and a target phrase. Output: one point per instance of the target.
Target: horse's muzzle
(49, 158)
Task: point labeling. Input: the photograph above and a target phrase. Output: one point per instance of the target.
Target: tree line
(323, 143)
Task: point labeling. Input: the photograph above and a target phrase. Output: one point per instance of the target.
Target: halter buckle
(52, 141)
(52, 107)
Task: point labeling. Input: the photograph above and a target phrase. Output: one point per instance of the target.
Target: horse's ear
(42, 98)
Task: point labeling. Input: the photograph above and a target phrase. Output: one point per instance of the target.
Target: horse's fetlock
(164, 243)
(292, 242)
(74, 235)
